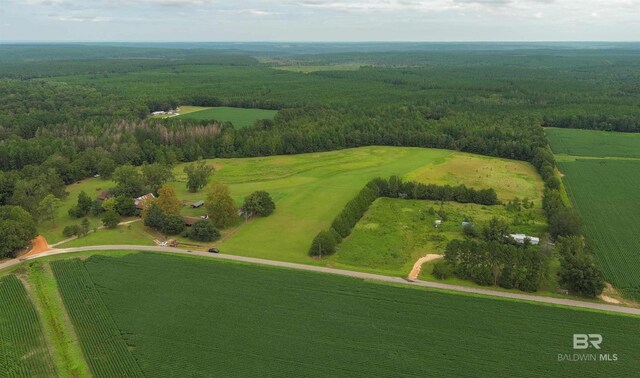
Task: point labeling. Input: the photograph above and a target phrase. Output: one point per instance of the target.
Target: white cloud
(323, 19)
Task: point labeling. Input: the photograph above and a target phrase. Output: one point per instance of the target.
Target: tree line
(326, 241)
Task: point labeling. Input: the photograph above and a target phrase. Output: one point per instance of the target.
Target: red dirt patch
(39, 245)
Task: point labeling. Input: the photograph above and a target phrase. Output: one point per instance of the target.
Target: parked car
(214, 250)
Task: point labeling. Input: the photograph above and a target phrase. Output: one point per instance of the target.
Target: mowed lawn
(180, 316)
(311, 189)
(239, 117)
(594, 143)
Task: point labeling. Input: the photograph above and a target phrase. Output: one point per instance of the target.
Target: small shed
(140, 201)
(197, 204)
(105, 194)
(520, 239)
(437, 223)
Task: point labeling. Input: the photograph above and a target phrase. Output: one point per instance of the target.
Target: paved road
(340, 272)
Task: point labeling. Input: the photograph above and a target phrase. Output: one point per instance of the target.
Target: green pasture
(594, 143)
(309, 191)
(239, 117)
(315, 68)
(394, 233)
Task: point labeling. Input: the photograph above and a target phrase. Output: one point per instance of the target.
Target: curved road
(340, 272)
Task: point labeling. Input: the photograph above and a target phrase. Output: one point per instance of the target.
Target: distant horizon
(320, 20)
(316, 41)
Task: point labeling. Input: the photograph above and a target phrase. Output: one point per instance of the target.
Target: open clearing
(240, 319)
(239, 117)
(309, 191)
(315, 68)
(594, 143)
(394, 233)
(605, 192)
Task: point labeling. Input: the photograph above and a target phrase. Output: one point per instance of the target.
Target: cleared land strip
(348, 273)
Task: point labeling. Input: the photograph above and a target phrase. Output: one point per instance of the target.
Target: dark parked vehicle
(214, 250)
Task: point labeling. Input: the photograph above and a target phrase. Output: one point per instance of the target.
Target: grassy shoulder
(43, 290)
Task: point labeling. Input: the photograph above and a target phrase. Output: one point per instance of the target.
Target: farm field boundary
(602, 177)
(260, 319)
(341, 272)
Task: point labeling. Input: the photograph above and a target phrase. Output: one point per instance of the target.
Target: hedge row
(326, 241)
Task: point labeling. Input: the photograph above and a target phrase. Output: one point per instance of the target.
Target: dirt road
(417, 267)
(340, 272)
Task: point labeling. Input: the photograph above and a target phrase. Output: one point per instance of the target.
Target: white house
(520, 238)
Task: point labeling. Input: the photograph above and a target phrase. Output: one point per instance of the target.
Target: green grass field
(394, 233)
(239, 117)
(594, 143)
(131, 234)
(315, 68)
(604, 191)
(310, 190)
(215, 318)
(23, 348)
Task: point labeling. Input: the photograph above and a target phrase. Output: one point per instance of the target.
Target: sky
(319, 20)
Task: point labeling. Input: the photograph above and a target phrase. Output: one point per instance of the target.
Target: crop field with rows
(104, 347)
(23, 347)
(191, 317)
(605, 192)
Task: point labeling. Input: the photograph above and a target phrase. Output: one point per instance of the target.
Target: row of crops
(23, 347)
(605, 192)
(194, 317)
(104, 348)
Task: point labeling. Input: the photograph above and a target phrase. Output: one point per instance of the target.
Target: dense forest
(71, 112)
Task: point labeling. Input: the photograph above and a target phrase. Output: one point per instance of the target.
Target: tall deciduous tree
(220, 205)
(258, 203)
(129, 181)
(48, 208)
(17, 228)
(110, 219)
(156, 175)
(168, 201)
(197, 175)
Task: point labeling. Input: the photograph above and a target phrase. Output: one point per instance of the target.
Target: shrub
(203, 230)
(172, 225)
(442, 270)
(110, 219)
(323, 244)
(70, 231)
(258, 203)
